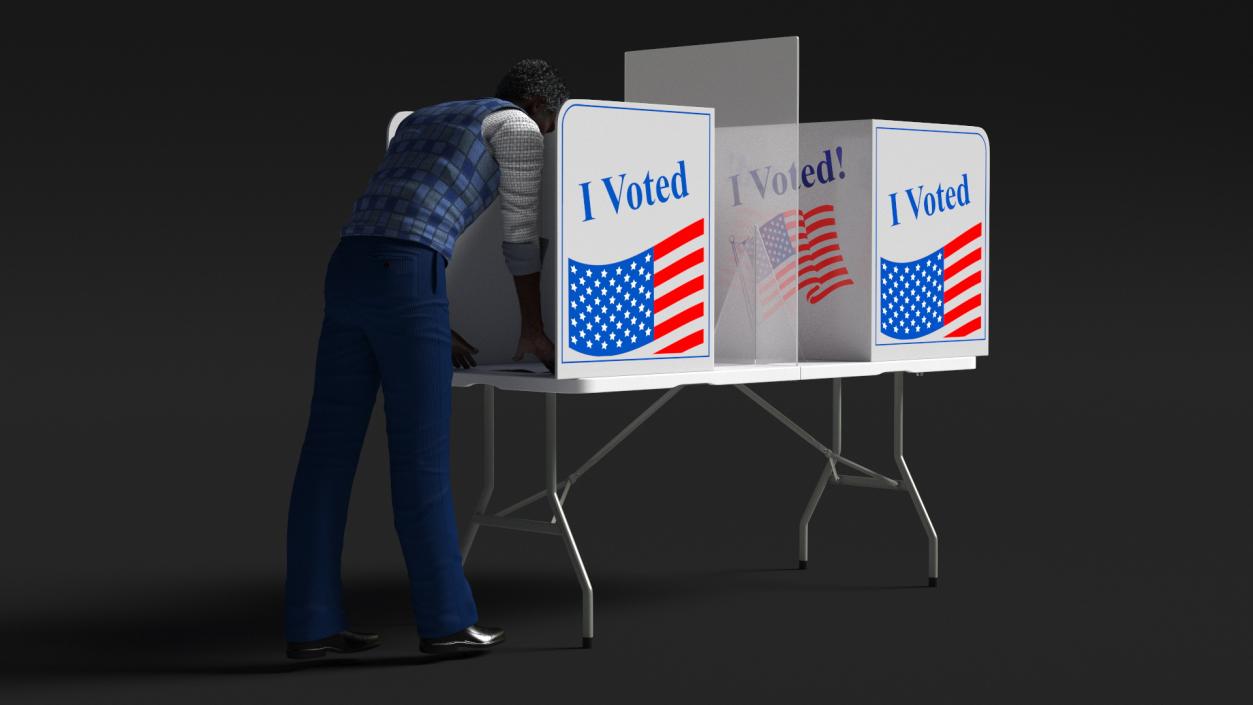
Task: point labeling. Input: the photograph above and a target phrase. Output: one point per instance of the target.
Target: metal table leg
(550, 459)
(867, 478)
(489, 469)
(898, 453)
(828, 474)
(558, 524)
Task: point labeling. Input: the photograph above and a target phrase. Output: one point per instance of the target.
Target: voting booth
(675, 237)
(683, 252)
(895, 215)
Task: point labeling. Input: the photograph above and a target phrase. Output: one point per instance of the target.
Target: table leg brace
(870, 478)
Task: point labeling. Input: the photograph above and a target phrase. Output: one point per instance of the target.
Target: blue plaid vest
(437, 177)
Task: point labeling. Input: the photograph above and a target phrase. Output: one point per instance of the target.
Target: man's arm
(518, 146)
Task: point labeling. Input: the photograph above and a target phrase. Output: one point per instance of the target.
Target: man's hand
(538, 344)
(461, 349)
(532, 339)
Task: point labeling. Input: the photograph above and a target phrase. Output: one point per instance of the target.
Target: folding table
(532, 377)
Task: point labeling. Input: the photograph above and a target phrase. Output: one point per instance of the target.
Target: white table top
(532, 377)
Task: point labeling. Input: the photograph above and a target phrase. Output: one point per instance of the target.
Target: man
(386, 323)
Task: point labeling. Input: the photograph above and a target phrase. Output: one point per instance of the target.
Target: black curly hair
(533, 78)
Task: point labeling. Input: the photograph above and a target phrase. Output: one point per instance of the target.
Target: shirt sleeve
(518, 146)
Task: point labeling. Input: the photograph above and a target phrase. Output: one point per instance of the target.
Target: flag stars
(574, 269)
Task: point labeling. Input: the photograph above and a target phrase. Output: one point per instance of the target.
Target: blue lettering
(634, 197)
(943, 198)
(829, 172)
(761, 185)
(807, 172)
(913, 203)
(615, 198)
(587, 201)
(648, 191)
(780, 183)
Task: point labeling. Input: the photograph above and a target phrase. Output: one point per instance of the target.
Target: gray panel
(754, 82)
(754, 87)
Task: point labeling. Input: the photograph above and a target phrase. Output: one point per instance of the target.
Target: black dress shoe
(472, 638)
(345, 642)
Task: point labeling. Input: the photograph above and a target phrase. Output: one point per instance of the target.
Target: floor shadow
(236, 629)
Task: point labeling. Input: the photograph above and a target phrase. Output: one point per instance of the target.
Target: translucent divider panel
(754, 88)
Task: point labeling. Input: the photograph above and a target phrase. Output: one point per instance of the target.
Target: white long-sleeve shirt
(518, 146)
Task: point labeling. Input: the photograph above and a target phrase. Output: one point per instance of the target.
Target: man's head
(534, 86)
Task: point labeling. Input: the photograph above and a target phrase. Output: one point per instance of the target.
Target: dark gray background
(173, 185)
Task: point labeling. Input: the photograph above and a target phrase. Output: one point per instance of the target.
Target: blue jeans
(385, 321)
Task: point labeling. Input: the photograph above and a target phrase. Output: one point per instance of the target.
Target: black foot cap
(804, 565)
(932, 582)
(587, 642)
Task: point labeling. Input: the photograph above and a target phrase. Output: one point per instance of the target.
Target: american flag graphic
(652, 302)
(802, 241)
(940, 293)
(773, 259)
(822, 269)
